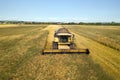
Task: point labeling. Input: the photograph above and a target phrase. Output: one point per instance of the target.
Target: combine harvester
(64, 44)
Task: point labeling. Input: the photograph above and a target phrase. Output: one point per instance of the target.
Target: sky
(60, 10)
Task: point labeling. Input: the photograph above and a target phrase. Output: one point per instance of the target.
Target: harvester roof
(62, 32)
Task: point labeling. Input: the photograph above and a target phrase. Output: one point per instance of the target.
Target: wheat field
(21, 55)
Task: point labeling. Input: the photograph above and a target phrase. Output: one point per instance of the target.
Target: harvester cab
(63, 39)
(64, 43)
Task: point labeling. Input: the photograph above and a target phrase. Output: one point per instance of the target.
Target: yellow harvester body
(64, 43)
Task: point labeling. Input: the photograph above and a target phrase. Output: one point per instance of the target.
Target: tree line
(63, 23)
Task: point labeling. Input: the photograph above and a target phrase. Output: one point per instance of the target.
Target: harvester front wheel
(87, 51)
(72, 46)
(55, 45)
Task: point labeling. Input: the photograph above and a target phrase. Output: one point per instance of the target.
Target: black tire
(55, 45)
(88, 52)
(72, 46)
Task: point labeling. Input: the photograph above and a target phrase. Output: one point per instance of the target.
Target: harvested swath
(107, 57)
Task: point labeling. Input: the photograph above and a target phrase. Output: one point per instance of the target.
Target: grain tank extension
(64, 43)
